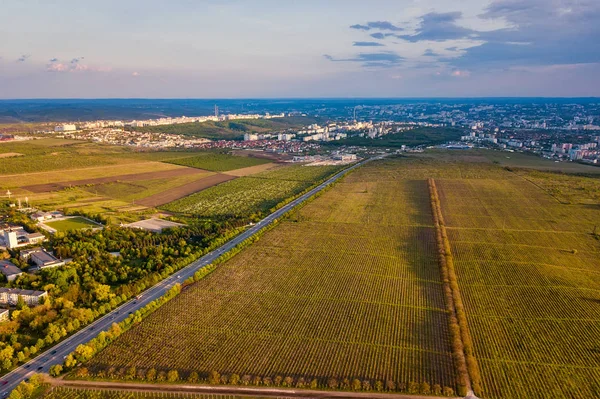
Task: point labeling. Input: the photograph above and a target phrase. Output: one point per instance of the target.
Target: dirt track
(185, 190)
(231, 390)
(43, 188)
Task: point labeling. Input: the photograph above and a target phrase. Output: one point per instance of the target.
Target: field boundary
(130, 177)
(227, 390)
(469, 379)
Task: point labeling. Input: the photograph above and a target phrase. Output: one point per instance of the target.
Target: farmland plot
(529, 272)
(329, 293)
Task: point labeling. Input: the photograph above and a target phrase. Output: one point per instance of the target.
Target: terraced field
(332, 295)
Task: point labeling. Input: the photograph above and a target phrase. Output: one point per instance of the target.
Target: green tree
(193, 378)
(172, 375)
(56, 370)
(214, 377)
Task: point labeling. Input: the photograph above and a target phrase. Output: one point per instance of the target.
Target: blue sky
(308, 48)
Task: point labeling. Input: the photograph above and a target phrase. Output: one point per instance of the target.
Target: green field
(231, 130)
(219, 162)
(77, 393)
(56, 154)
(74, 223)
(251, 195)
(346, 289)
(509, 159)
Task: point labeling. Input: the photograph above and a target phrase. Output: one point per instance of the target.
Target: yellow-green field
(529, 273)
(347, 288)
(94, 178)
(74, 223)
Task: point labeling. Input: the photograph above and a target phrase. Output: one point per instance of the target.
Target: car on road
(4, 383)
(53, 353)
(27, 366)
(39, 368)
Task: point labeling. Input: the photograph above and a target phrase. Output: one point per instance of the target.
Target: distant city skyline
(269, 49)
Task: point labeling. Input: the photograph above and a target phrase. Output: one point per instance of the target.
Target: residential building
(10, 296)
(65, 128)
(9, 270)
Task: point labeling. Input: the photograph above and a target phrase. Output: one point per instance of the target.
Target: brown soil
(183, 191)
(42, 188)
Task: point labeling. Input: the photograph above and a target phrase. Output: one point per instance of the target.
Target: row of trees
(96, 281)
(216, 378)
(28, 389)
(462, 344)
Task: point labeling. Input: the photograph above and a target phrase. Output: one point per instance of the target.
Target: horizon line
(298, 98)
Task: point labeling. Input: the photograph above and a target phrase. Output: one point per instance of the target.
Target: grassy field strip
(466, 364)
(251, 170)
(28, 179)
(535, 264)
(219, 162)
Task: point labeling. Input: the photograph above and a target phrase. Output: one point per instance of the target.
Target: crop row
(250, 195)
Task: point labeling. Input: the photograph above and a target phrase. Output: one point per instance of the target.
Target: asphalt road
(57, 353)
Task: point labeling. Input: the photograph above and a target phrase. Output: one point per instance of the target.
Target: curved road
(56, 354)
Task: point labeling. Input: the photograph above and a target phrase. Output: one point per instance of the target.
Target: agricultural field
(114, 181)
(528, 269)
(251, 194)
(78, 393)
(72, 223)
(219, 162)
(57, 154)
(347, 289)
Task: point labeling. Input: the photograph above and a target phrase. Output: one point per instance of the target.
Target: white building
(285, 136)
(10, 296)
(10, 239)
(3, 315)
(15, 237)
(65, 128)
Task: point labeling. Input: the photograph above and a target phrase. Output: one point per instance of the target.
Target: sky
(304, 48)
